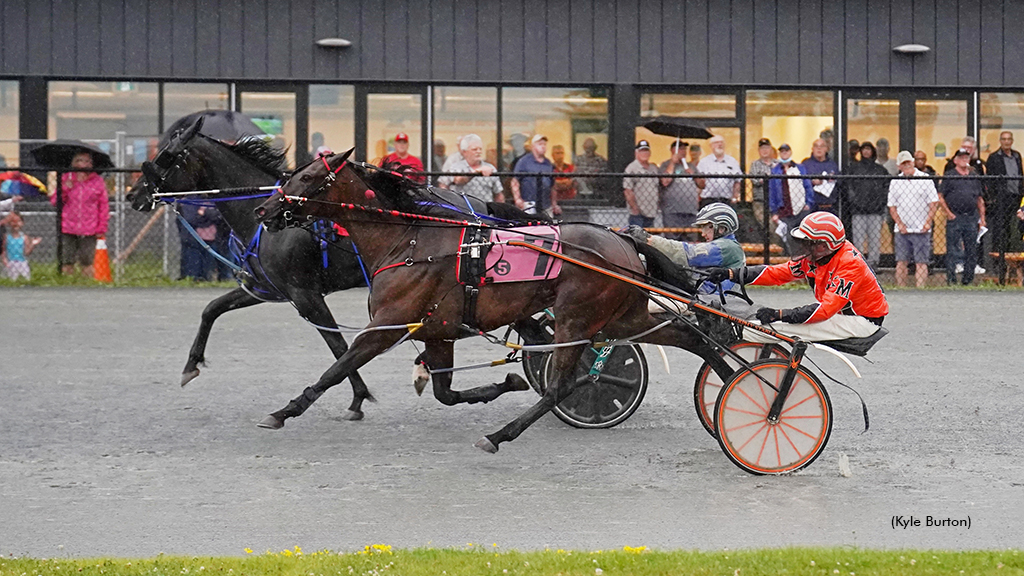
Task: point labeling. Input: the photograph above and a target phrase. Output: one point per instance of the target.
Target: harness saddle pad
(504, 263)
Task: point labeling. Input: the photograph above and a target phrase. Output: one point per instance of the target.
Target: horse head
(325, 181)
(170, 169)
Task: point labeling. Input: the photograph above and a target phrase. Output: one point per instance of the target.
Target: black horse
(287, 265)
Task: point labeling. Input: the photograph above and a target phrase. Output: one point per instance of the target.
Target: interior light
(333, 43)
(911, 49)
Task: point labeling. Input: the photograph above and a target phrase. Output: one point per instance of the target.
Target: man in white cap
(912, 205)
(533, 194)
(641, 193)
(725, 190)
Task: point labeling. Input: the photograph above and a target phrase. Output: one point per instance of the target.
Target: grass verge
(379, 560)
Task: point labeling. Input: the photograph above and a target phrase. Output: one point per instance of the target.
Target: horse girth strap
(473, 267)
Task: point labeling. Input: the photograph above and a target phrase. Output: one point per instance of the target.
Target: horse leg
(564, 363)
(364, 348)
(441, 354)
(233, 300)
(312, 307)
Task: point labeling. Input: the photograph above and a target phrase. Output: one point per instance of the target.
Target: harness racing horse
(416, 292)
(289, 265)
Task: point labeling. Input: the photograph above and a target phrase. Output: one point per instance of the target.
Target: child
(16, 248)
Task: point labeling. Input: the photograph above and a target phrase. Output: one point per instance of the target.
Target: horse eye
(306, 177)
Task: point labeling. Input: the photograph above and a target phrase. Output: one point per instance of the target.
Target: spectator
(1005, 195)
(853, 150)
(8, 205)
(438, 157)
(535, 194)
(866, 199)
(15, 249)
(641, 193)
(883, 157)
(789, 199)
(820, 164)
(401, 156)
(725, 190)
(921, 163)
(454, 157)
(680, 198)
(196, 261)
(828, 137)
(962, 200)
(912, 205)
(970, 144)
(591, 163)
(483, 187)
(762, 167)
(565, 188)
(695, 152)
(84, 217)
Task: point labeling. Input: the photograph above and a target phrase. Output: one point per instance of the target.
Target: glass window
(797, 118)
(688, 105)
(182, 99)
(332, 113)
(9, 123)
(870, 119)
(387, 115)
(999, 112)
(940, 127)
(274, 113)
(98, 110)
(661, 145)
(567, 116)
(463, 110)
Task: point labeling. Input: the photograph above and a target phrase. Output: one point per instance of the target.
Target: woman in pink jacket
(84, 216)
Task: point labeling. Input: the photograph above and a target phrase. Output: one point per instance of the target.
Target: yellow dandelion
(248, 550)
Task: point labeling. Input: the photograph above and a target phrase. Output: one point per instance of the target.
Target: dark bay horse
(415, 284)
(288, 265)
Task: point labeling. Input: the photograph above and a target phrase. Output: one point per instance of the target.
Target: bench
(755, 259)
(1014, 264)
(751, 248)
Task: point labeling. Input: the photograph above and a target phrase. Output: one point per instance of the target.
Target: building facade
(508, 69)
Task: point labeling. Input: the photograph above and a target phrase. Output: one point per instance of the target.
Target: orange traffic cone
(101, 263)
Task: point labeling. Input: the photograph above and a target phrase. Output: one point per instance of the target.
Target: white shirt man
(912, 205)
(483, 187)
(725, 190)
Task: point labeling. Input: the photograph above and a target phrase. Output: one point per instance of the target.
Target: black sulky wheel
(755, 443)
(617, 393)
(708, 384)
(612, 397)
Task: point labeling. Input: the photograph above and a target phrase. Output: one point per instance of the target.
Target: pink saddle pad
(517, 264)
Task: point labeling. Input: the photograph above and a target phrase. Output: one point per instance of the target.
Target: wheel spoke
(778, 454)
(761, 451)
(758, 414)
(791, 444)
(617, 381)
(798, 430)
(799, 403)
(754, 402)
(749, 424)
(763, 426)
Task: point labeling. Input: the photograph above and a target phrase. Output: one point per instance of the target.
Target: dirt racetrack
(101, 452)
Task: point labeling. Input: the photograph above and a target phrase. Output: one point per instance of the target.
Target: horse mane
(260, 154)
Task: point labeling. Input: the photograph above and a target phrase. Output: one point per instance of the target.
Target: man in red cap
(401, 156)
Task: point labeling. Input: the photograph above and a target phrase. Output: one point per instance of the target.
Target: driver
(850, 300)
(718, 224)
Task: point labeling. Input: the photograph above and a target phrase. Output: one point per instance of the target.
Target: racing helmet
(823, 227)
(718, 215)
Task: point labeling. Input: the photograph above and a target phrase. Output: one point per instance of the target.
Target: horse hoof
(420, 377)
(515, 382)
(271, 423)
(486, 445)
(352, 415)
(187, 377)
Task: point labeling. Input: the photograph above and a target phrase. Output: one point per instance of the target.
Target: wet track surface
(101, 452)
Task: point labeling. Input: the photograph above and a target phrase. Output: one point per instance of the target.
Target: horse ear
(344, 157)
(194, 129)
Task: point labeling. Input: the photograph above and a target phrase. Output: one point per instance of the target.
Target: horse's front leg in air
(439, 355)
(365, 347)
(233, 300)
(312, 307)
(564, 364)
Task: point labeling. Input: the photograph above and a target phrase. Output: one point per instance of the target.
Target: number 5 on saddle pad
(506, 263)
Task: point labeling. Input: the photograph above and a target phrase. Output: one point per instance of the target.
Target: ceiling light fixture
(911, 49)
(333, 43)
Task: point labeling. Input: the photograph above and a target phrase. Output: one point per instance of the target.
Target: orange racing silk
(843, 284)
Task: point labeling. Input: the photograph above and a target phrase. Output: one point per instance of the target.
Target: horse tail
(660, 267)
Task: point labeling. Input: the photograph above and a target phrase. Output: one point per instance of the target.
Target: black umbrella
(59, 153)
(223, 125)
(676, 127)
